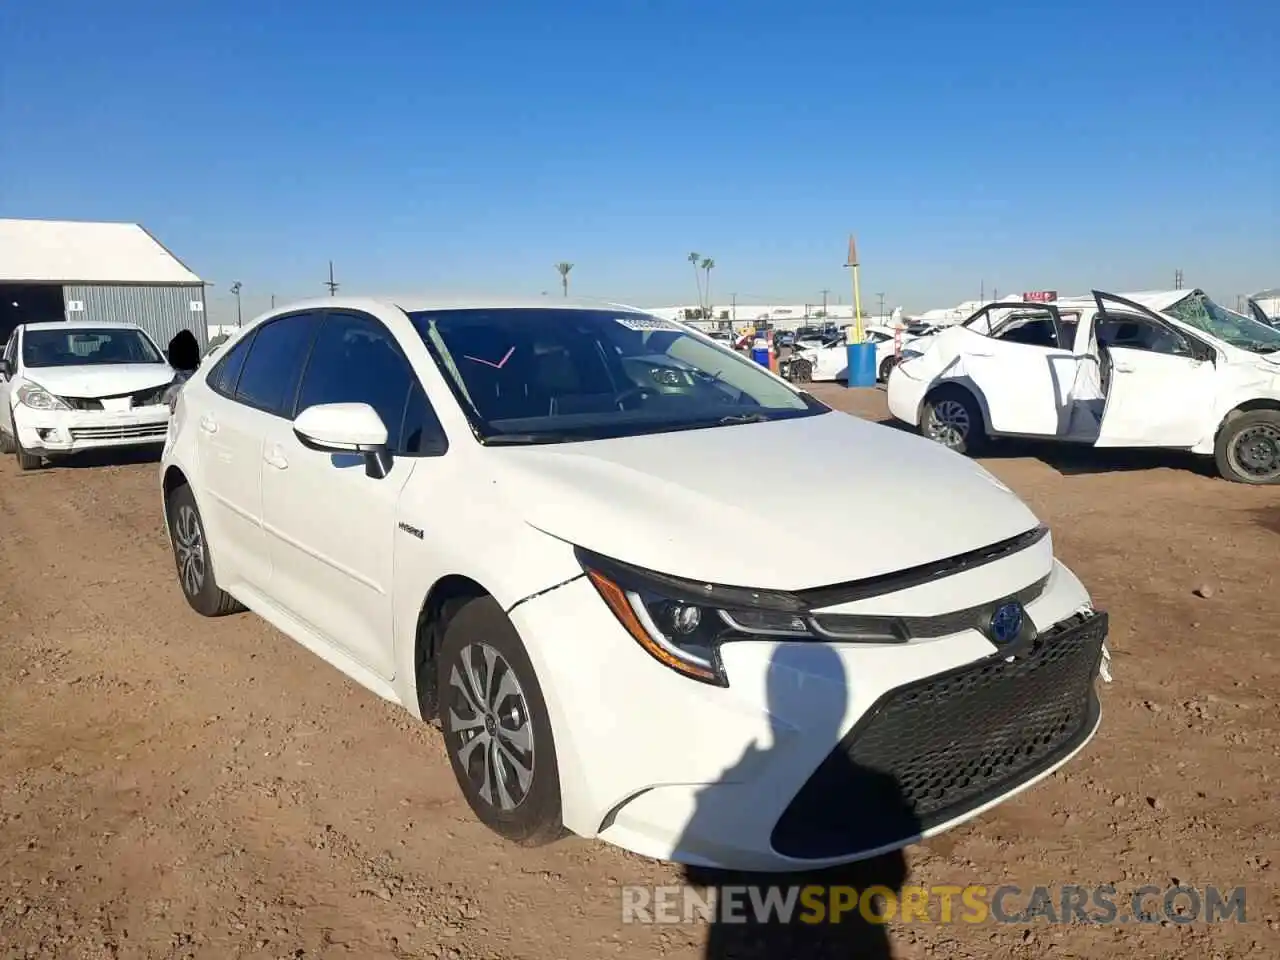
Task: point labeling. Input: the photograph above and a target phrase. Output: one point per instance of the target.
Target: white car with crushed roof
(533, 524)
(1166, 369)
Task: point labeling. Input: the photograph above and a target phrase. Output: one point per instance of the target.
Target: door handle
(208, 424)
(1123, 368)
(275, 458)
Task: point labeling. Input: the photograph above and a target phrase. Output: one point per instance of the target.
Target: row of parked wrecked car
(1163, 369)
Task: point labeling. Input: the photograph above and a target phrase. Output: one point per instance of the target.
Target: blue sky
(468, 147)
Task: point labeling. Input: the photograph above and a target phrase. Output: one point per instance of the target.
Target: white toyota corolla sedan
(536, 524)
(66, 387)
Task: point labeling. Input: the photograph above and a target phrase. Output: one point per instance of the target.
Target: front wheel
(886, 368)
(1248, 448)
(800, 371)
(496, 727)
(952, 418)
(26, 461)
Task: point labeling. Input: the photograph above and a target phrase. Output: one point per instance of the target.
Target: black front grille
(935, 749)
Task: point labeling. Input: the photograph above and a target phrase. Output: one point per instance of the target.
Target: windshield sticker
(489, 363)
(646, 323)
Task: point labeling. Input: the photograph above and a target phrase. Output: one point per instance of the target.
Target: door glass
(1139, 333)
(224, 377)
(270, 376)
(356, 360)
(421, 432)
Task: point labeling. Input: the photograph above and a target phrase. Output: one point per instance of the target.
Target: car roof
(415, 303)
(80, 325)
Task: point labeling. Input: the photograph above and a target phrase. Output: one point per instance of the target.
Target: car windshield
(82, 346)
(553, 375)
(1202, 313)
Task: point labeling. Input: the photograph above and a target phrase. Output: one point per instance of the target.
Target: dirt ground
(174, 787)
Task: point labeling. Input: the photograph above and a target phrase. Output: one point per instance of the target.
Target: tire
(484, 732)
(26, 461)
(191, 557)
(800, 371)
(886, 368)
(6, 442)
(1248, 448)
(953, 418)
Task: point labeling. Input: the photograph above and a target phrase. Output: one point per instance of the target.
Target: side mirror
(184, 352)
(346, 428)
(5, 369)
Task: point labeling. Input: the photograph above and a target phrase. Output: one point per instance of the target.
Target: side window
(269, 379)
(226, 373)
(420, 432)
(1139, 333)
(356, 360)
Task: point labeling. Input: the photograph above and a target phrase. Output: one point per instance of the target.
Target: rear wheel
(1248, 448)
(800, 371)
(952, 418)
(191, 557)
(886, 368)
(496, 727)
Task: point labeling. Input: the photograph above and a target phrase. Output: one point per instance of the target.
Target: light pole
(881, 296)
(235, 288)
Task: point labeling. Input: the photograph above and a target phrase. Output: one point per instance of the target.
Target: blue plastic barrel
(760, 353)
(862, 364)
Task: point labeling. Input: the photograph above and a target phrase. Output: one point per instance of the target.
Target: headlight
(909, 355)
(684, 623)
(38, 398)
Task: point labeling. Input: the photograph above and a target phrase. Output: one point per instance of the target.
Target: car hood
(703, 504)
(100, 380)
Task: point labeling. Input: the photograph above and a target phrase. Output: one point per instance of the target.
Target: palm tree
(707, 266)
(563, 269)
(696, 260)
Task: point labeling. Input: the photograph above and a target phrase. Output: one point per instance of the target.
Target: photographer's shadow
(866, 797)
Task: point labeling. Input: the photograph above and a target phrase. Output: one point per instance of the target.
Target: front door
(1160, 378)
(331, 527)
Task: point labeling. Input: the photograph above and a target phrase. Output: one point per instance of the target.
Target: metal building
(70, 270)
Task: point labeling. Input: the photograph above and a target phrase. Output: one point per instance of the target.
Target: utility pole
(881, 296)
(1177, 279)
(733, 308)
(982, 292)
(273, 301)
(331, 283)
(235, 290)
(825, 293)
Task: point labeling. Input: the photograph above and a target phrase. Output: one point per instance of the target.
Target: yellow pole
(858, 332)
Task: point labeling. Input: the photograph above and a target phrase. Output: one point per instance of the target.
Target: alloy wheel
(489, 717)
(948, 423)
(188, 544)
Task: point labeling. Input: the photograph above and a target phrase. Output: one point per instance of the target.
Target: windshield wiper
(744, 418)
(526, 439)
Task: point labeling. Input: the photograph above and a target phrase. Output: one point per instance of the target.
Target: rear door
(1159, 379)
(250, 388)
(1020, 356)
